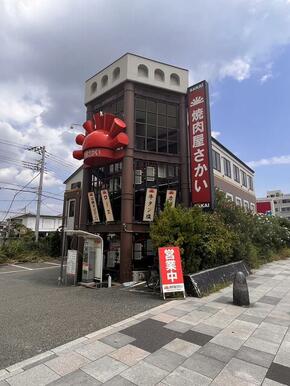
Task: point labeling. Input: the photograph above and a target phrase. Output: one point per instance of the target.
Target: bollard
(109, 281)
(240, 290)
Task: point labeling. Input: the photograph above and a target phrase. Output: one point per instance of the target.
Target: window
(285, 201)
(244, 179)
(159, 75)
(71, 208)
(156, 126)
(143, 71)
(246, 204)
(162, 171)
(227, 168)
(250, 180)
(150, 173)
(253, 207)
(230, 196)
(174, 80)
(116, 73)
(238, 201)
(75, 185)
(236, 174)
(216, 159)
(94, 87)
(104, 80)
(138, 177)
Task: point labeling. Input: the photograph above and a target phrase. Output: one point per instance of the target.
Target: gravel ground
(37, 315)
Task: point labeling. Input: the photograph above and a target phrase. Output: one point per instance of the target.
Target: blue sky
(50, 47)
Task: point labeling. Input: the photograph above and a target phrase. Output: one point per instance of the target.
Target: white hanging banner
(93, 206)
(150, 202)
(107, 205)
(171, 197)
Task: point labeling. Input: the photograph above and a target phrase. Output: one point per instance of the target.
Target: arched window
(104, 80)
(143, 70)
(94, 87)
(159, 75)
(116, 73)
(174, 80)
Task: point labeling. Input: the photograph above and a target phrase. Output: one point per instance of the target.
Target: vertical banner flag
(93, 206)
(170, 267)
(171, 197)
(150, 202)
(107, 205)
(202, 189)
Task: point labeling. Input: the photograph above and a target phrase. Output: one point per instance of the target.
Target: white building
(281, 203)
(47, 223)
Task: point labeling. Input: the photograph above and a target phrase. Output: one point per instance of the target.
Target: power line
(19, 191)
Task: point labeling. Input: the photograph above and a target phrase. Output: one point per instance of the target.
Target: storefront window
(156, 126)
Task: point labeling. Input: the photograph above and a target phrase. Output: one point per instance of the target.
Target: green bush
(227, 234)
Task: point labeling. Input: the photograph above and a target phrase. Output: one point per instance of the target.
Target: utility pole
(39, 193)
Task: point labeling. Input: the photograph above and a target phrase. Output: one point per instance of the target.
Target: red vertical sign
(170, 269)
(200, 145)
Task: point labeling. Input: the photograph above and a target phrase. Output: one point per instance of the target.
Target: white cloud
(238, 69)
(277, 160)
(216, 134)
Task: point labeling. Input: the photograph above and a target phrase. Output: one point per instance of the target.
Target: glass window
(236, 174)
(238, 201)
(250, 179)
(162, 171)
(227, 168)
(138, 177)
(150, 173)
(244, 179)
(156, 119)
(71, 208)
(216, 159)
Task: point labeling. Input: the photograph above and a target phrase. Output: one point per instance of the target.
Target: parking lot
(37, 315)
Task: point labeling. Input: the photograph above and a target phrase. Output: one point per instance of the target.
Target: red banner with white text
(170, 267)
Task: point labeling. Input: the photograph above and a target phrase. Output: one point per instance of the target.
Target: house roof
(25, 215)
(74, 174)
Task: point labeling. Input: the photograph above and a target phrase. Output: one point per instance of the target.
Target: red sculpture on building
(104, 142)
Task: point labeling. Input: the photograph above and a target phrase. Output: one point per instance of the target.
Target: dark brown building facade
(151, 98)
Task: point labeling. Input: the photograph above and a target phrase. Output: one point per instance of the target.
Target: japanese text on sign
(171, 197)
(93, 206)
(201, 170)
(171, 269)
(107, 205)
(150, 202)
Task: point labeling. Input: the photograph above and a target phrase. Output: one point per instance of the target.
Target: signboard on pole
(171, 275)
(171, 197)
(71, 264)
(150, 202)
(93, 206)
(202, 187)
(107, 205)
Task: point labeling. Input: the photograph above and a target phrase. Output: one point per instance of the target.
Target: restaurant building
(151, 98)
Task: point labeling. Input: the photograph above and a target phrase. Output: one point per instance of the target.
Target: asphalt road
(37, 315)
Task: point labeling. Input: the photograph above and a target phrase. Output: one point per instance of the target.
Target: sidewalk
(182, 342)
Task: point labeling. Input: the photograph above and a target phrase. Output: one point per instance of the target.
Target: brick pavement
(204, 341)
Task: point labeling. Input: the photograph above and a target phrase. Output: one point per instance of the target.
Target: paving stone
(75, 379)
(150, 335)
(278, 321)
(37, 376)
(269, 382)
(186, 377)
(163, 317)
(226, 378)
(270, 332)
(33, 364)
(279, 373)
(232, 342)
(118, 339)
(196, 337)
(165, 359)
(182, 347)
(262, 345)
(224, 300)
(104, 368)
(283, 354)
(246, 371)
(95, 350)
(194, 317)
(204, 365)
(129, 355)
(221, 353)
(252, 284)
(257, 357)
(118, 381)
(176, 312)
(250, 318)
(67, 363)
(208, 309)
(144, 374)
(178, 326)
(206, 329)
(4, 383)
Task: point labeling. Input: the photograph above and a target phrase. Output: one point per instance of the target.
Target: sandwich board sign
(171, 275)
